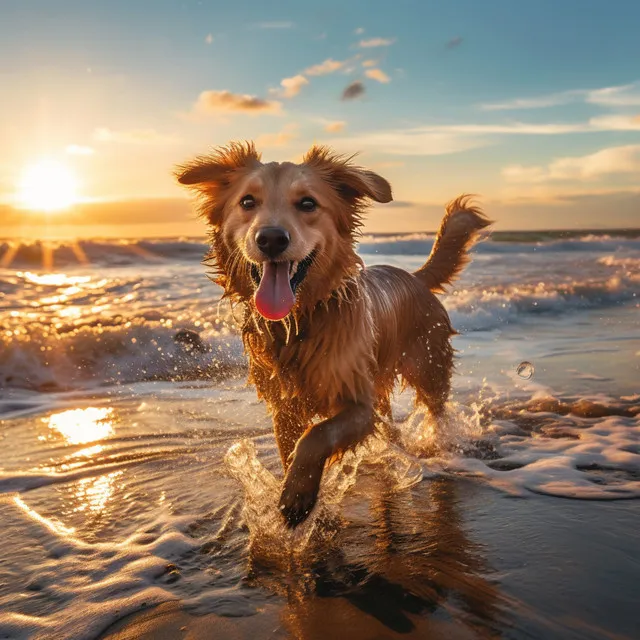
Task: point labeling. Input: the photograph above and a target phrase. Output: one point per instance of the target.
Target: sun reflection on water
(54, 279)
(93, 493)
(80, 426)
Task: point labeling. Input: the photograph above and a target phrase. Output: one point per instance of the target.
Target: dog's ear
(352, 182)
(209, 173)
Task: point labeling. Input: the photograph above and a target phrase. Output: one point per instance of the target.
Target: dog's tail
(458, 232)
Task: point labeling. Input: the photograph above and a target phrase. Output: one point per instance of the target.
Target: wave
(120, 349)
(64, 254)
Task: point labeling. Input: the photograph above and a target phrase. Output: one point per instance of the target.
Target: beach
(139, 476)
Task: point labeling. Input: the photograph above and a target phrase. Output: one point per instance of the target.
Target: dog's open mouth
(277, 283)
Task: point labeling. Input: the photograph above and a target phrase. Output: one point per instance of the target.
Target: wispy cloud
(79, 150)
(325, 68)
(369, 63)
(627, 95)
(209, 38)
(536, 102)
(280, 139)
(275, 24)
(376, 42)
(212, 102)
(612, 160)
(408, 142)
(133, 136)
(378, 75)
(291, 86)
(354, 90)
(359, 31)
(454, 42)
(452, 138)
(335, 127)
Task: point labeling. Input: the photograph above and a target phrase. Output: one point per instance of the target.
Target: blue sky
(535, 106)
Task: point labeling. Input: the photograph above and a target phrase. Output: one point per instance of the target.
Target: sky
(534, 106)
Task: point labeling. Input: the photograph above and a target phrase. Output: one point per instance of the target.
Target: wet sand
(486, 566)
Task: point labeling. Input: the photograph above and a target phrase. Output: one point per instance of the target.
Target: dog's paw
(300, 492)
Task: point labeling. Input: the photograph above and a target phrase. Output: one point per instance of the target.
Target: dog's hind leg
(428, 370)
(329, 438)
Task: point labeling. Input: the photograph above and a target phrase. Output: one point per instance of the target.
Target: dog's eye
(248, 202)
(307, 205)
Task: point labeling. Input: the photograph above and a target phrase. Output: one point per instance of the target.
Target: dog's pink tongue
(274, 297)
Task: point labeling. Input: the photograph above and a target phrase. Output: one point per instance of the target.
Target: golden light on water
(80, 426)
(47, 186)
(53, 279)
(94, 493)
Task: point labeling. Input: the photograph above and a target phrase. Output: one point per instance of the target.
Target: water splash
(525, 370)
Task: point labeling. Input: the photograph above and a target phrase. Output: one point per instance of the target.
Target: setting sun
(47, 186)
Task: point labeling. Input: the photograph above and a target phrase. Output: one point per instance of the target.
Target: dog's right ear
(209, 173)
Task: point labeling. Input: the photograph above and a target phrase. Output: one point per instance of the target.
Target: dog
(326, 337)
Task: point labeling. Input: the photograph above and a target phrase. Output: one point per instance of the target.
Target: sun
(47, 186)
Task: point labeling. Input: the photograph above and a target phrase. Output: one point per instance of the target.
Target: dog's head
(282, 233)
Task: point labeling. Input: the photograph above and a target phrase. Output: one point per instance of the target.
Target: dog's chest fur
(329, 361)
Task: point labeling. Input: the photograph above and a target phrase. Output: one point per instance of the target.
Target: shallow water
(136, 469)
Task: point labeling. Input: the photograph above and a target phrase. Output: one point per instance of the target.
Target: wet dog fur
(328, 368)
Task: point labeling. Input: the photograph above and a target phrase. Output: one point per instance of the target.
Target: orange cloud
(211, 102)
(377, 74)
(335, 127)
(281, 139)
(376, 42)
(292, 86)
(132, 136)
(369, 63)
(324, 68)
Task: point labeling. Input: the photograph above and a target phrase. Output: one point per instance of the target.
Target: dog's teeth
(294, 268)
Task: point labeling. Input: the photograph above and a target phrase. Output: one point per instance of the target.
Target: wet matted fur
(328, 367)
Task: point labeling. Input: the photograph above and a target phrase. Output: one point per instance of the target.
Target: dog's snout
(272, 241)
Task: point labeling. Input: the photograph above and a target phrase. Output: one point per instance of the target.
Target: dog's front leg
(321, 442)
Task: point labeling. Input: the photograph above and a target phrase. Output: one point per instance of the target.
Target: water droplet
(525, 370)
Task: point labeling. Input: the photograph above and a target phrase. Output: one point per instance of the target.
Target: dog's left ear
(352, 182)
(208, 173)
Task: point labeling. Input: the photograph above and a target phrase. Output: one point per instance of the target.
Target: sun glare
(47, 186)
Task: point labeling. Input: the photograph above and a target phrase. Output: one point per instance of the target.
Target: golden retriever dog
(326, 337)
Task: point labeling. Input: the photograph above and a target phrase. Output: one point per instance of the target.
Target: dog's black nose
(272, 241)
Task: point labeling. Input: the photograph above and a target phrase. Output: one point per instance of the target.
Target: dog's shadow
(406, 566)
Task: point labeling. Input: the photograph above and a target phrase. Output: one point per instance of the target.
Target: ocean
(137, 467)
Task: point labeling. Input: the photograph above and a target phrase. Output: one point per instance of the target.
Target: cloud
(133, 136)
(292, 86)
(211, 102)
(627, 95)
(376, 42)
(276, 24)
(359, 31)
(369, 63)
(612, 160)
(377, 74)
(79, 150)
(538, 102)
(288, 133)
(326, 67)
(408, 142)
(353, 91)
(454, 42)
(335, 127)
(209, 38)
